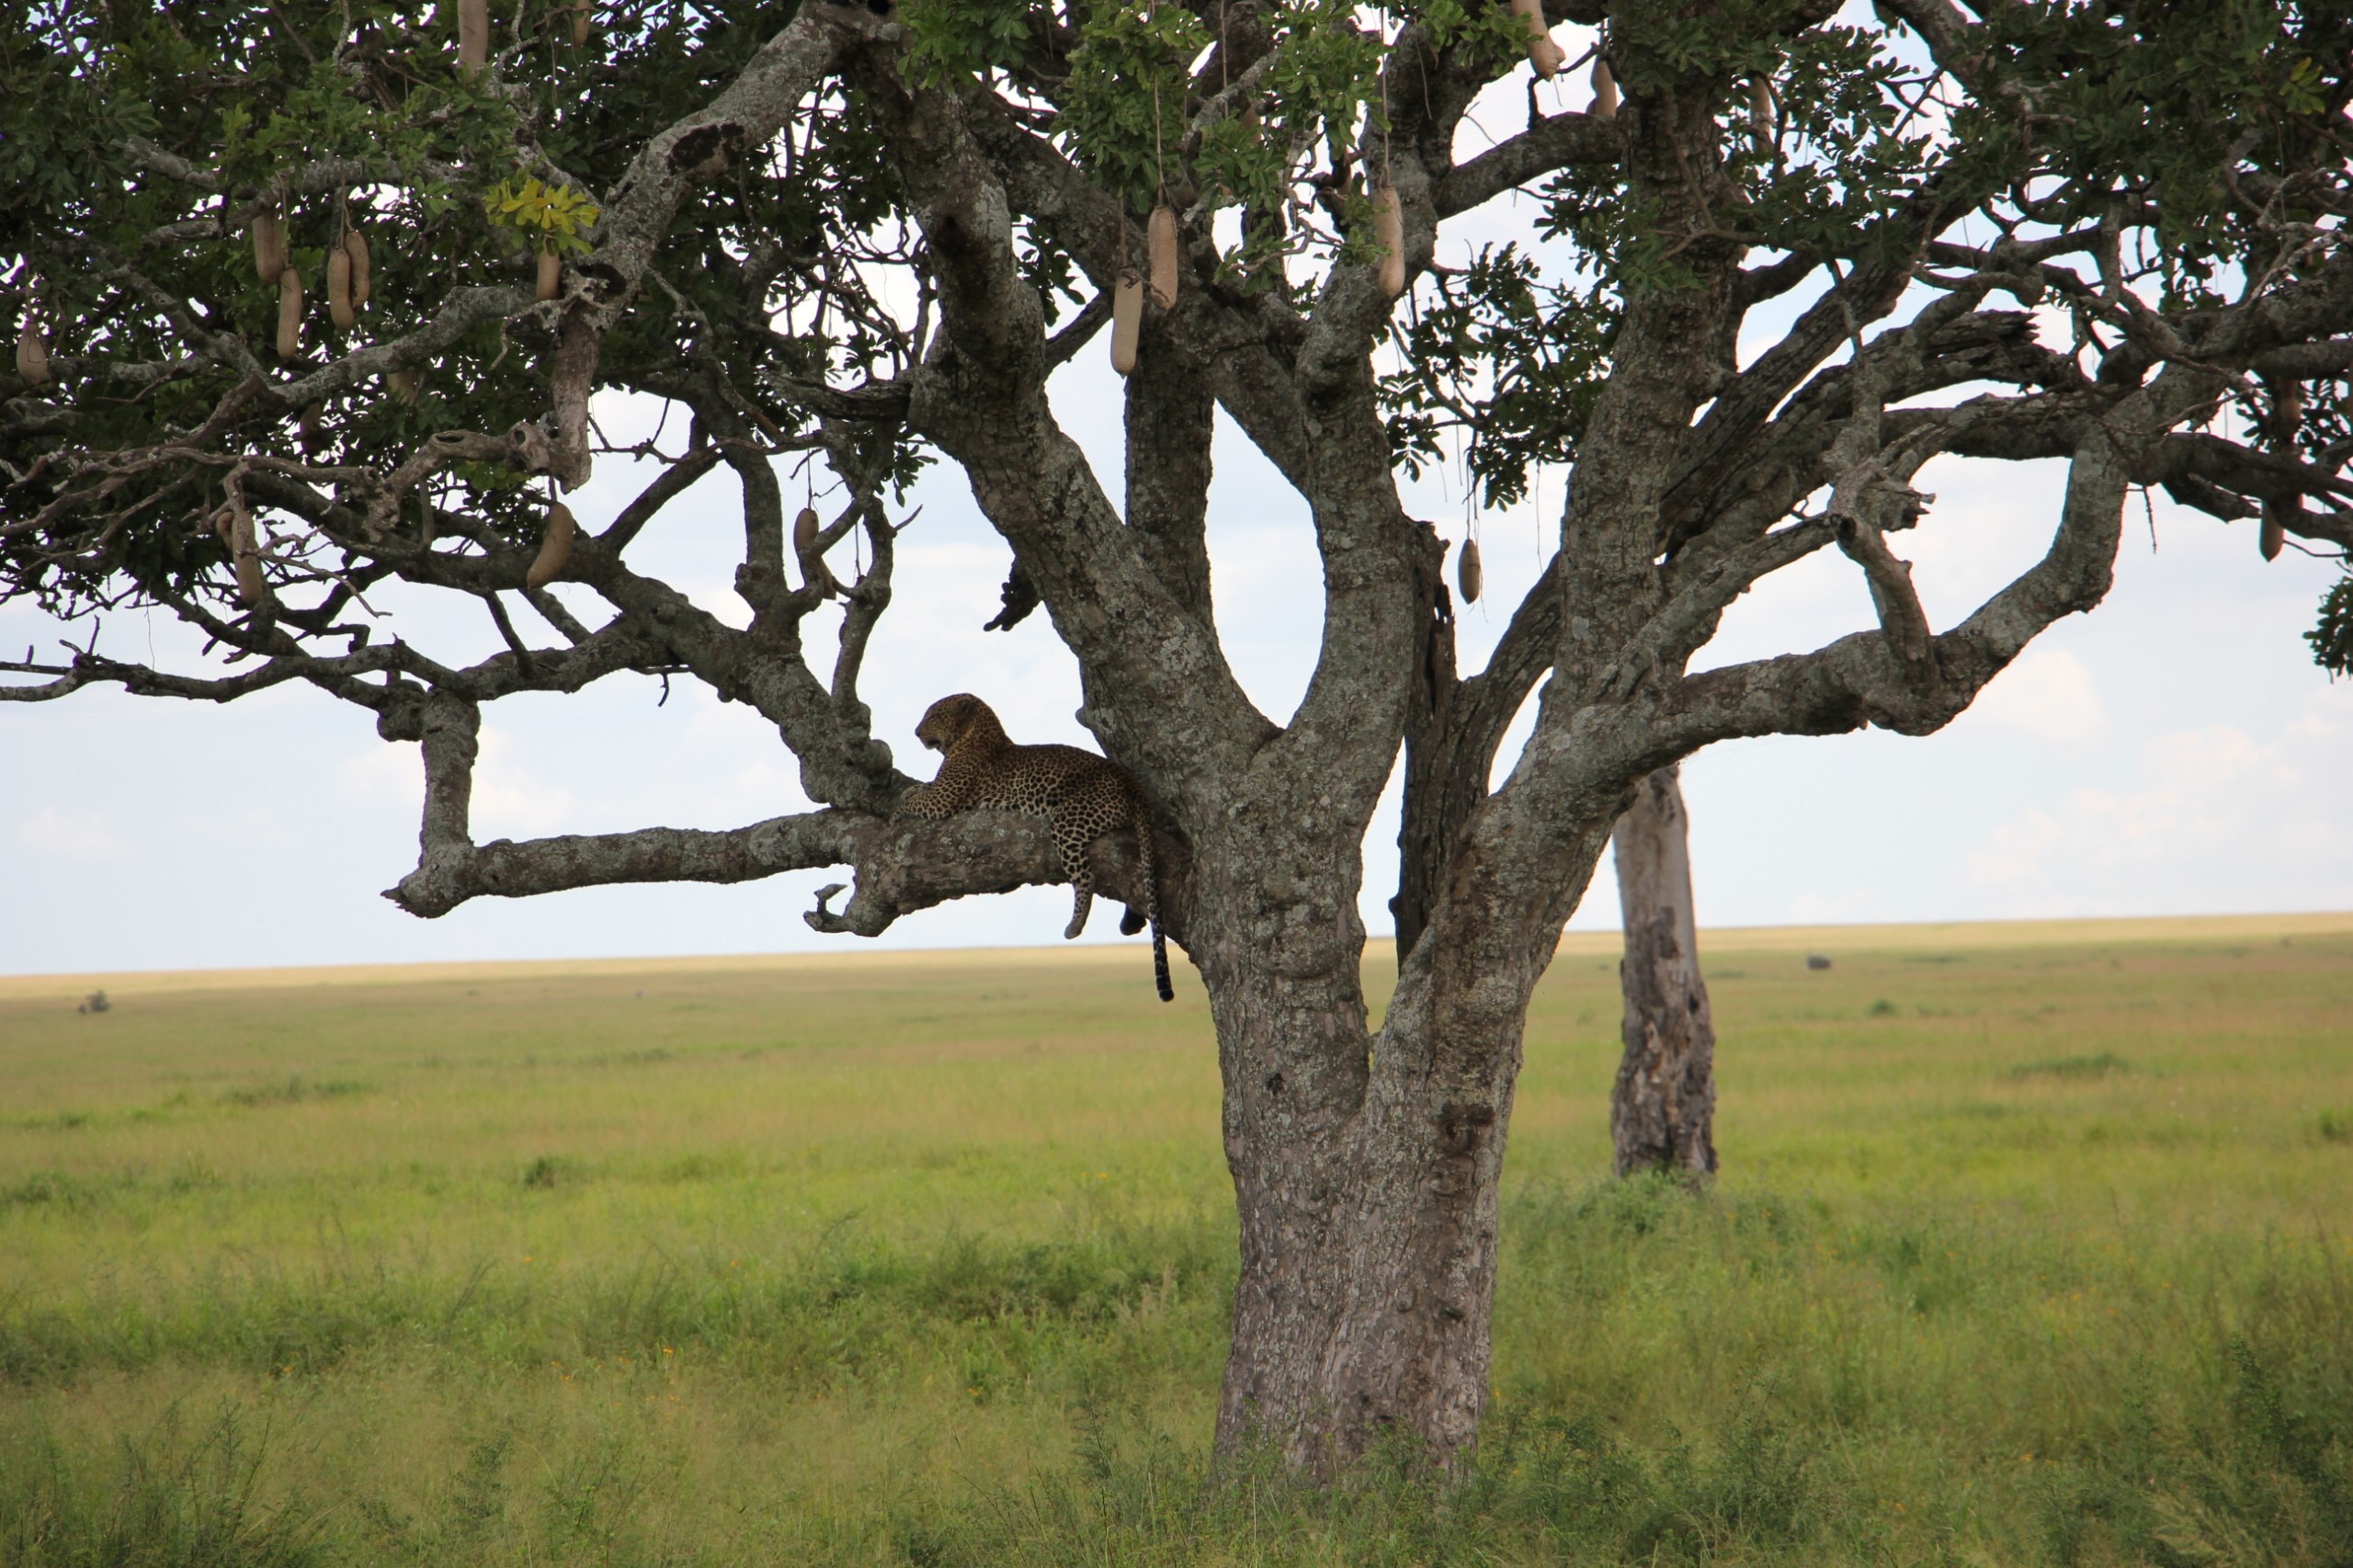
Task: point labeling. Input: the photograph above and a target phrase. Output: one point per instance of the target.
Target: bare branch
(1552, 142)
(1866, 678)
(504, 869)
(673, 482)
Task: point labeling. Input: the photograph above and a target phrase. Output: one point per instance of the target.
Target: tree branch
(1552, 142)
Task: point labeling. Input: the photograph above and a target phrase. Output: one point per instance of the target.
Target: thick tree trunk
(1368, 1267)
(1367, 1168)
(1366, 1188)
(1662, 1113)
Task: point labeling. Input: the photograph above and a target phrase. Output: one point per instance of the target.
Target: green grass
(2032, 1247)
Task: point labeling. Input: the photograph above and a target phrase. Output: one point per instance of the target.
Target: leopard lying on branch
(1082, 796)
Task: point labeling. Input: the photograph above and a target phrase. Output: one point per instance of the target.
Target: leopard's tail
(1149, 870)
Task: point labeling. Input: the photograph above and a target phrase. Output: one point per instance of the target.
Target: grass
(2033, 1245)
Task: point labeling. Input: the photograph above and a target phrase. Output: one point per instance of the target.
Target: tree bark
(1366, 1175)
(1662, 1110)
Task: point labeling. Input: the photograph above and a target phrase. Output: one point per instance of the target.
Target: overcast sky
(2175, 752)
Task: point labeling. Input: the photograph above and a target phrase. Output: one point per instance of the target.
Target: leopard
(1082, 796)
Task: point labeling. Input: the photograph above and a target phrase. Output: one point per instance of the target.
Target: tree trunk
(1662, 1113)
(1367, 1270)
(1367, 1168)
(1366, 1186)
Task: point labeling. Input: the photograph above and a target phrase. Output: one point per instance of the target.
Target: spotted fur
(1082, 796)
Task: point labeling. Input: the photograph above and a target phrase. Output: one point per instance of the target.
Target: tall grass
(928, 1262)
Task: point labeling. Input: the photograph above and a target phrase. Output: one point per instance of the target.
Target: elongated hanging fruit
(1389, 234)
(2287, 410)
(473, 35)
(580, 24)
(270, 245)
(1127, 321)
(251, 587)
(551, 275)
(1161, 237)
(406, 384)
(339, 288)
(289, 314)
(1542, 52)
(355, 244)
(1605, 92)
(1466, 575)
(1760, 113)
(2275, 532)
(555, 547)
(815, 573)
(32, 354)
(306, 425)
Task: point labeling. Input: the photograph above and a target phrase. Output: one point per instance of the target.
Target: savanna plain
(2033, 1244)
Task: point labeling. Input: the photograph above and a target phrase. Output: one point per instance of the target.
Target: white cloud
(2046, 693)
(508, 800)
(2201, 800)
(1852, 907)
(2016, 851)
(384, 774)
(71, 837)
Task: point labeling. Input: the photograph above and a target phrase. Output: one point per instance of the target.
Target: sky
(2175, 752)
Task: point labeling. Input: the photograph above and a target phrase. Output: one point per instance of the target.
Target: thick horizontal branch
(901, 867)
(504, 869)
(1554, 141)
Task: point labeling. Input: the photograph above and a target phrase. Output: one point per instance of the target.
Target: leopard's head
(949, 718)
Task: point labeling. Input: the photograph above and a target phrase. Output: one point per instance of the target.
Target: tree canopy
(1784, 256)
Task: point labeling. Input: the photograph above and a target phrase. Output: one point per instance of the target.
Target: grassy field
(2034, 1245)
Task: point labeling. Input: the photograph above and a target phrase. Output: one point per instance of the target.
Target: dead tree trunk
(1663, 1111)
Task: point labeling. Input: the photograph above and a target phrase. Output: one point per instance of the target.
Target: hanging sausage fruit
(814, 572)
(1389, 234)
(289, 314)
(1127, 321)
(355, 244)
(473, 35)
(339, 288)
(1466, 575)
(1161, 246)
(1542, 52)
(270, 245)
(555, 547)
(550, 276)
(237, 533)
(1605, 92)
(32, 354)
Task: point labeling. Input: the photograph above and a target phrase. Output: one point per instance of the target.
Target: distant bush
(294, 1091)
(2097, 1066)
